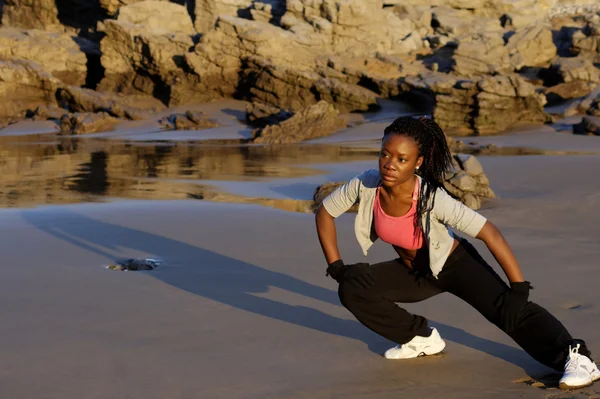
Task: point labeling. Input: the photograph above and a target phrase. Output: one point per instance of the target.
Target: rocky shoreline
(478, 67)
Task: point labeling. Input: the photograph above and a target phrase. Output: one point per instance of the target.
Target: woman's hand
(357, 274)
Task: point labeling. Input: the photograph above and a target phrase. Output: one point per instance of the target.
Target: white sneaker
(580, 371)
(418, 346)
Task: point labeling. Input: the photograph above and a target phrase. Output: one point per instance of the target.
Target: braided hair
(433, 147)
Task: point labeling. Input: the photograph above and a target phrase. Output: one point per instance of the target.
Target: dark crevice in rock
(80, 14)
(191, 7)
(95, 71)
(368, 83)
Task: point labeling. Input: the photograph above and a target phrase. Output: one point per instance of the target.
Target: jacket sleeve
(343, 197)
(457, 215)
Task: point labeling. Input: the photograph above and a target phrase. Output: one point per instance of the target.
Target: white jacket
(437, 220)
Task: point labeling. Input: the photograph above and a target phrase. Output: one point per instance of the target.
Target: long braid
(432, 145)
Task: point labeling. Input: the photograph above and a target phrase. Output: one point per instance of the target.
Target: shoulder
(370, 178)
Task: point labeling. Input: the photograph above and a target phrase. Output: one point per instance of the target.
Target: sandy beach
(242, 308)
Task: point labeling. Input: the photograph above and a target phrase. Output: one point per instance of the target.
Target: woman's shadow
(231, 281)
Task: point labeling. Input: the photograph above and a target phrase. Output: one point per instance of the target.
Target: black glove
(511, 304)
(359, 275)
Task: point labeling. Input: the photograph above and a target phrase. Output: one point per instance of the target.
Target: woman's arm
(327, 235)
(498, 246)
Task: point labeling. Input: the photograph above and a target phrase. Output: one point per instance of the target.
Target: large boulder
(207, 12)
(587, 41)
(80, 100)
(531, 47)
(142, 57)
(353, 27)
(291, 88)
(318, 120)
(83, 123)
(31, 14)
(24, 86)
(482, 105)
(572, 69)
(190, 120)
(467, 181)
(111, 7)
(52, 15)
(158, 17)
(57, 53)
(505, 100)
(481, 54)
(590, 125)
(262, 62)
(457, 23)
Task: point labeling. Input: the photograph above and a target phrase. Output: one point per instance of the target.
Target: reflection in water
(46, 170)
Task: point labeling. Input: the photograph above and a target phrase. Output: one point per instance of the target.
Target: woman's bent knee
(352, 294)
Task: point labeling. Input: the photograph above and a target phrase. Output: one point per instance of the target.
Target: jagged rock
(191, 120)
(260, 115)
(586, 44)
(485, 105)
(353, 27)
(158, 17)
(267, 10)
(221, 54)
(24, 85)
(468, 182)
(111, 7)
(589, 125)
(565, 91)
(380, 74)
(52, 15)
(207, 11)
(481, 55)
(261, 62)
(57, 53)
(82, 123)
(421, 16)
(46, 112)
(138, 60)
(458, 23)
(294, 89)
(318, 120)
(572, 69)
(77, 99)
(506, 100)
(532, 46)
(31, 14)
(589, 105)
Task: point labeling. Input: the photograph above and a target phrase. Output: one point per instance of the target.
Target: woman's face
(398, 159)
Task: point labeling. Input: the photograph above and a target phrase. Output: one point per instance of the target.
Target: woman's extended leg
(376, 307)
(539, 333)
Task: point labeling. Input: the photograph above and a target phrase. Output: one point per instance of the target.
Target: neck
(403, 190)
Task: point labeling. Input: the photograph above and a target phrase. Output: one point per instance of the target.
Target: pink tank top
(398, 231)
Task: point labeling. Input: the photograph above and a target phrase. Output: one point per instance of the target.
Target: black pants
(469, 277)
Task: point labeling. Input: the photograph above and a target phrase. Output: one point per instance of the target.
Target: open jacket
(442, 214)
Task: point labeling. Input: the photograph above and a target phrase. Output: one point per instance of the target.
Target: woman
(406, 205)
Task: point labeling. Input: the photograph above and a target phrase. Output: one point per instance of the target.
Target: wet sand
(242, 308)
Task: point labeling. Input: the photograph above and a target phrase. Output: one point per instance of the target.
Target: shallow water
(44, 169)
